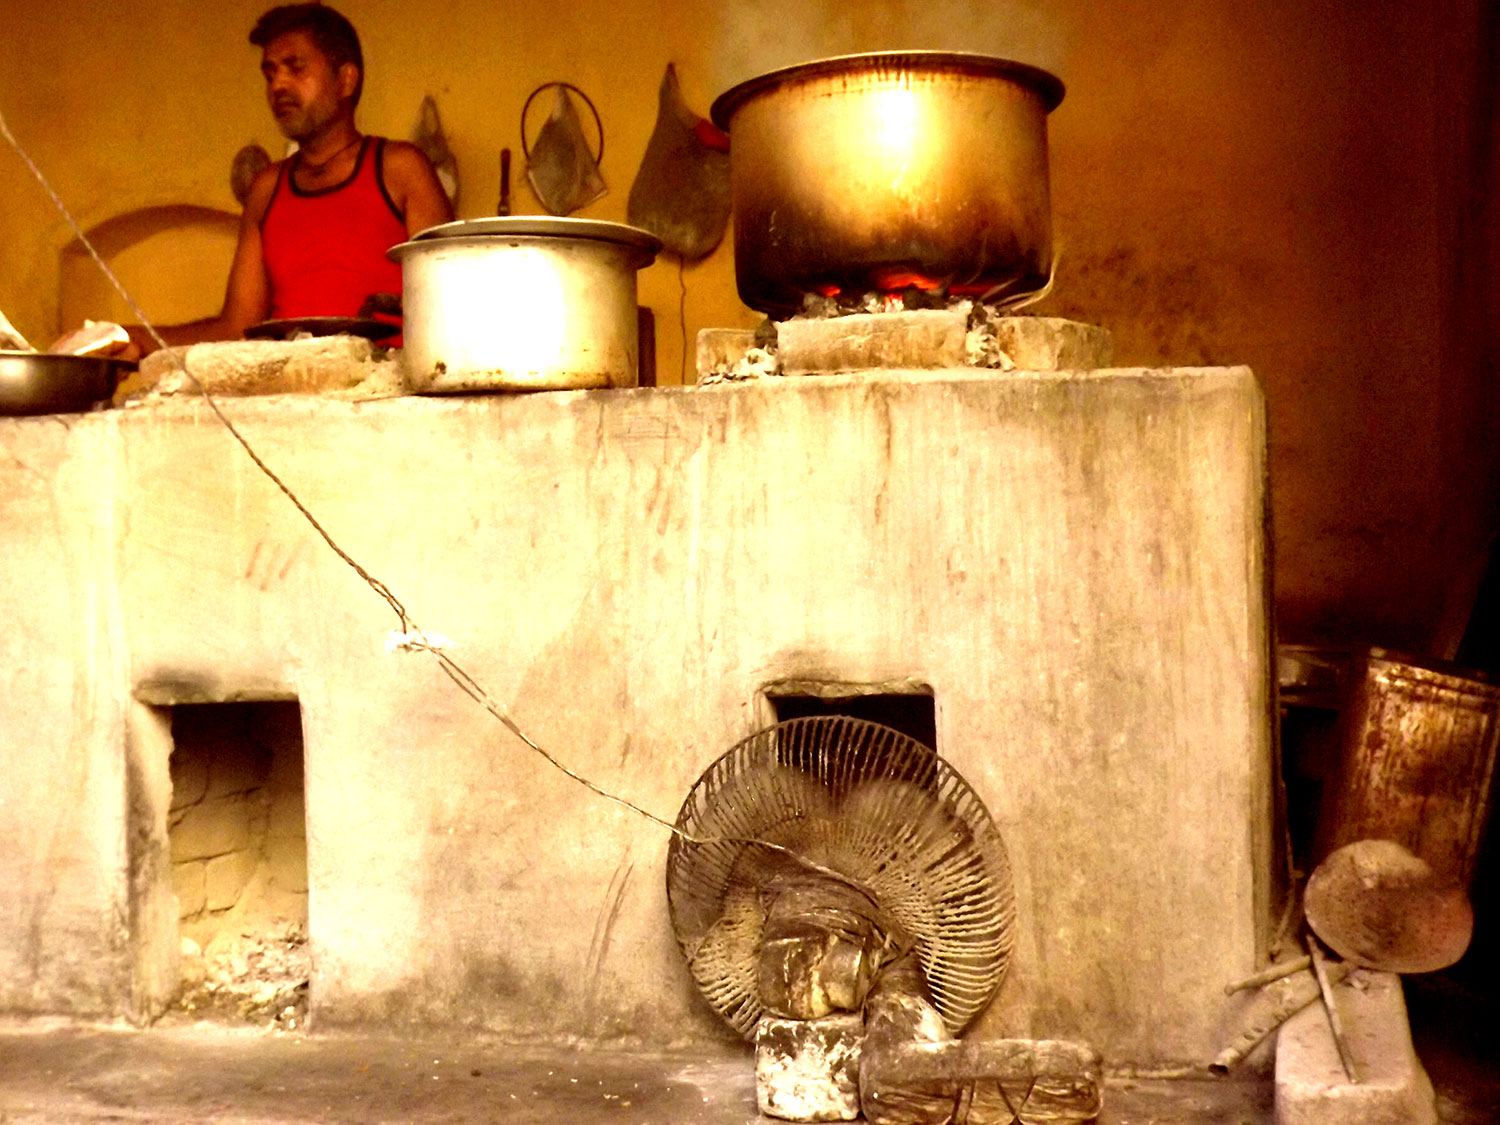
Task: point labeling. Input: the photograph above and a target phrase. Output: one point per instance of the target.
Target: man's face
(303, 89)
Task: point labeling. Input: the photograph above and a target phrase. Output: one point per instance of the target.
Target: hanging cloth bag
(681, 193)
(562, 170)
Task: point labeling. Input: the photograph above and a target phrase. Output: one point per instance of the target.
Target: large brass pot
(872, 173)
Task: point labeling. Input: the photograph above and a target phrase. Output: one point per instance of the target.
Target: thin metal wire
(450, 667)
(682, 323)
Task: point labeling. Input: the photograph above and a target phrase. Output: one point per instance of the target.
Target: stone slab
(999, 1081)
(262, 367)
(627, 571)
(1049, 343)
(719, 349)
(928, 338)
(921, 338)
(189, 781)
(808, 1070)
(1312, 1087)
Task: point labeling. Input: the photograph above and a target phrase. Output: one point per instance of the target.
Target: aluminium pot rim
(532, 228)
(1045, 83)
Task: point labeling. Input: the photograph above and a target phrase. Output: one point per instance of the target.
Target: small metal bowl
(36, 383)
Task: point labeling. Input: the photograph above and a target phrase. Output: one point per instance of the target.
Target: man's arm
(414, 187)
(247, 297)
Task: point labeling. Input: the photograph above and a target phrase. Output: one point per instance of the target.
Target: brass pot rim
(1048, 85)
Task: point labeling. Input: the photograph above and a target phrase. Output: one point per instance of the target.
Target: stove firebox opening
(908, 707)
(238, 842)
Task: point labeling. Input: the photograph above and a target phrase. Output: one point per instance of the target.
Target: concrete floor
(55, 1072)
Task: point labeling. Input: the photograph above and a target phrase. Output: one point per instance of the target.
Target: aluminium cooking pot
(522, 303)
(873, 173)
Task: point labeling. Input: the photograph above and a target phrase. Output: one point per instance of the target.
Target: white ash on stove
(257, 976)
(982, 346)
(757, 363)
(911, 299)
(752, 356)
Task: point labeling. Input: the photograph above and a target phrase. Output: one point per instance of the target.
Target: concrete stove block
(1072, 563)
(808, 1070)
(1312, 1087)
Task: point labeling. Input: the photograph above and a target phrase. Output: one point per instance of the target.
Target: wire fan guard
(865, 801)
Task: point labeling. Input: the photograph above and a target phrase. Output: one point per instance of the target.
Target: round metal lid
(1048, 85)
(539, 226)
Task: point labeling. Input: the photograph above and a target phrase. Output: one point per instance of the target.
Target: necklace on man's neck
(306, 165)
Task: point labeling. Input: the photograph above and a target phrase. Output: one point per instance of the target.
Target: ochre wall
(1287, 185)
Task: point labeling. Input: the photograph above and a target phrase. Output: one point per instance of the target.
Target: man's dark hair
(330, 32)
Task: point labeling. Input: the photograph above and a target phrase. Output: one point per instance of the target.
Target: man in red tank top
(316, 225)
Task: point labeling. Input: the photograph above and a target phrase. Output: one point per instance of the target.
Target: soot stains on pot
(879, 171)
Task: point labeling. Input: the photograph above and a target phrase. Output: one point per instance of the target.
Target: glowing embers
(906, 291)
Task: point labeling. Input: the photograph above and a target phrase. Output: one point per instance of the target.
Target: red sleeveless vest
(325, 250)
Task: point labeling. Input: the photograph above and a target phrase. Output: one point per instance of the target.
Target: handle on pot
(387, 303)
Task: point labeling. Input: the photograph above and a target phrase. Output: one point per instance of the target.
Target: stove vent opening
(907, 707)
(238, 841)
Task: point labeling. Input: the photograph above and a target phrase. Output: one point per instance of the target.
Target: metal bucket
(1417, 751)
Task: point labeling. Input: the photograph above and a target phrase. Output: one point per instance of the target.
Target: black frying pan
(285, 329)
(37, 383)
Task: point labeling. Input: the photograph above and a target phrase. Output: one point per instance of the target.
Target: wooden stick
(1290, 911)
(1272, 1006)
(1330, 1004)
(1267, 975)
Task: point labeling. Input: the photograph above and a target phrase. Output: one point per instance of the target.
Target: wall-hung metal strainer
(855, 798)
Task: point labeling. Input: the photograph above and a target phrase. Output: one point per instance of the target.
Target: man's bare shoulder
(405, 158)
(262, 187)
(413, 183)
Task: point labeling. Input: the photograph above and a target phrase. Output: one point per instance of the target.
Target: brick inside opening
(237, 830)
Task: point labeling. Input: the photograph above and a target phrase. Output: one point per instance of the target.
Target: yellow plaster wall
(166, 258)
(1279, 184)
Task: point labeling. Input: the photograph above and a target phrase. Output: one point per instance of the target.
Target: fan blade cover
(860, 799)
